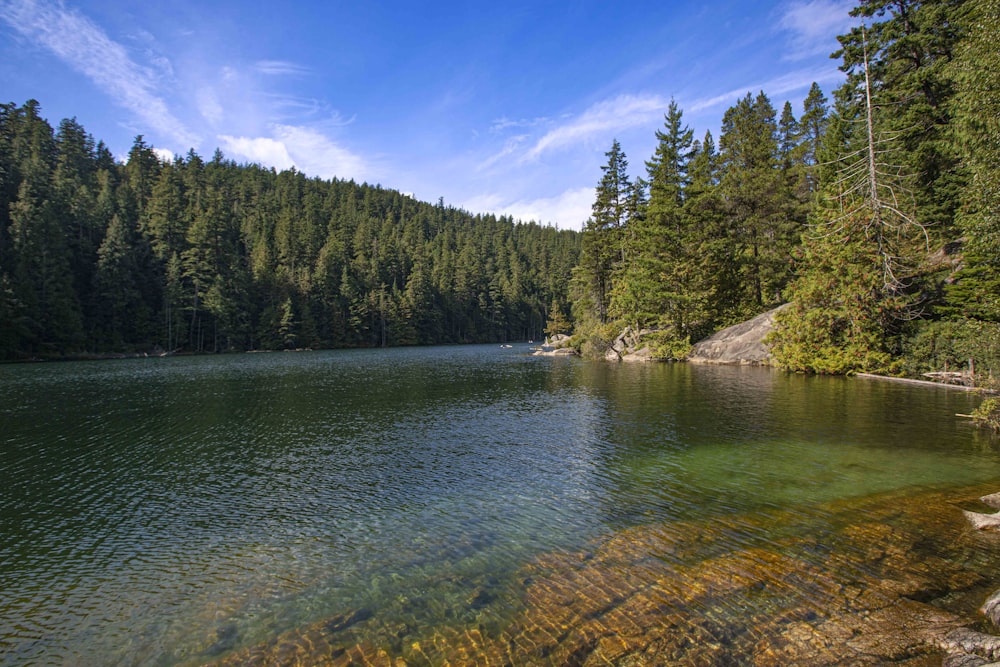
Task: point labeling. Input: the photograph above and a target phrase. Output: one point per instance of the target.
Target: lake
(468, 505)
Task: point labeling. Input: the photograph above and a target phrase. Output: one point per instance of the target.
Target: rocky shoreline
(740, 345)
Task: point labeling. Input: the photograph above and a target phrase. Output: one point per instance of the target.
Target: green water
(168, 511)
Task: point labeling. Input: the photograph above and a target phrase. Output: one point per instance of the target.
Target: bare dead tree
(871, 192)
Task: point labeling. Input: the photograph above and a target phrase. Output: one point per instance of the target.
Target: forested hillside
(875, 213)
(99, 256)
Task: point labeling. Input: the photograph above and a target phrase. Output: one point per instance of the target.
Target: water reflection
(171, 511)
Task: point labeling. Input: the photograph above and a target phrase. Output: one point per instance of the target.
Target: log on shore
(924, 383)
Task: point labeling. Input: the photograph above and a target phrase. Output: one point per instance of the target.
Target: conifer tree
(975, 291)
(812, 128)
(603, 249)
(751, 185)
(656, 283)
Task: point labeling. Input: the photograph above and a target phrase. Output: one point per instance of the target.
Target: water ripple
(168, 510)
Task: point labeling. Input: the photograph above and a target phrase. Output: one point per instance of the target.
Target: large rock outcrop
(741, 344)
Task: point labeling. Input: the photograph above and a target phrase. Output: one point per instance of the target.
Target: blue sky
(504, 107)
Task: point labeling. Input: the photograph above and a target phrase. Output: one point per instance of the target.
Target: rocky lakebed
(904, 586)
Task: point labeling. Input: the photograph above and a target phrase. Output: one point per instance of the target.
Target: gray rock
(992, 500)
(558, 352)
(967, 642)
(641, 355)
(991, 608)
(982, 521)
(741, 344)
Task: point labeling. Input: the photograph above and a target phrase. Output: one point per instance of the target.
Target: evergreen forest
(874, 212)
(99, 256)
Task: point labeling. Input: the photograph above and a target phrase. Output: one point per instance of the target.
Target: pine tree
(812, 128)
(975, 292)
(604, 234)
(656, 284)
(41, 269)
(751, 184)
(905, 47)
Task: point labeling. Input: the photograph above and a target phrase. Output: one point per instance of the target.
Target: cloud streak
(85, 47)
(813, 23)
(280, 68)
(616, 114)
(773, 87)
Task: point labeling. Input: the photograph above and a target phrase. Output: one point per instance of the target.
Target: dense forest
(100, 256)
(875, 214)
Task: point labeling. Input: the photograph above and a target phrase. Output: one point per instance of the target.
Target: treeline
(876, 214)
(103, 256)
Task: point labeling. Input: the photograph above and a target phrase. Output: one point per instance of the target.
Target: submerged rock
(730, 590)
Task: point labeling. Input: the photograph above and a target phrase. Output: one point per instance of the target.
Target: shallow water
(172, 511)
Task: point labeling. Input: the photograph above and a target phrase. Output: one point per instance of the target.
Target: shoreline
(923, 383)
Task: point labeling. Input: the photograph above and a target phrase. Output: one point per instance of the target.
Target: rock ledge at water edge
(738, 345)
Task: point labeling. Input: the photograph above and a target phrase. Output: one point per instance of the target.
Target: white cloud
(280, 68)
(504, 123)
(772, 88)
(304, 148)
(602, 118)
(318, 155)
(262, 150)
(813, 25)
(82, 45)
(567, 210)
(510, 146)
(164, 154)
(209, 106)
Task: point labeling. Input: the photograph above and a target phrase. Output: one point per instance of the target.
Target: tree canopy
(876, 215)
(204, 255)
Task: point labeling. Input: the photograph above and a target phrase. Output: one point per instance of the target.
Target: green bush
(940, 345)
(988, 414)
(666, 344)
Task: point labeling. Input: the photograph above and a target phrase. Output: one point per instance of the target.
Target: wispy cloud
(305, 148)
(772, 88)
(603, 118)
(280, 68)
(85, 47)
(209, 106)
(510, 147)
(504, 123)
(813, 24)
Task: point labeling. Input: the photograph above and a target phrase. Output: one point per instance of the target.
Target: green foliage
(903, 163)
(910, 47)
(98, 256)
(659, 280)
(557, 322)
(617, 206)
(975, 72)
(949, 345)
(987, 414)
(667, 344)
(594, 343)
(840, 319)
